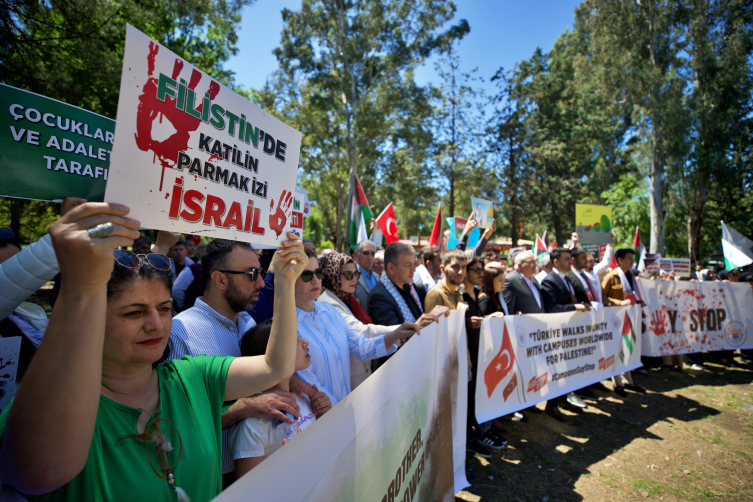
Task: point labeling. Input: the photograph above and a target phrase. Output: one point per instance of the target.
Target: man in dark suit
(558, 291)
(558, 295)
(584, 289)
(521, 291)
(399, 266)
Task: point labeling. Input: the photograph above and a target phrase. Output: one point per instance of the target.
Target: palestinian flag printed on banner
(738, 249)
(628, 334)
(360, 215)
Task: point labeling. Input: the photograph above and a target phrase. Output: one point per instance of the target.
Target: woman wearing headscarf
(339, 282)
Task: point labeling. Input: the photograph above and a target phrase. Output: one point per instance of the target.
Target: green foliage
(346, 81)
(629, 200)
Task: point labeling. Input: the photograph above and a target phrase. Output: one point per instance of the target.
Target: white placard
(526, 359)
(191, 155)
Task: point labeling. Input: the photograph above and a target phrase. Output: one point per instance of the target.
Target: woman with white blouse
(331, 339)
(339, 284)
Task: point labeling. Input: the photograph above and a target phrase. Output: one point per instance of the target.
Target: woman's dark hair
(310, 253)
(123, 277)
(487, 286)
(254, 341)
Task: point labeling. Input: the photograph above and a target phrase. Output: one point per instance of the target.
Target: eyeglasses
(307, 275)
(350, 275)
(478, 270)
(367, 253)
(132, 261)
(7, 233)
(253, 272)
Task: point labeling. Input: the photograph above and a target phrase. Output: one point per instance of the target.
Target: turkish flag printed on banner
(510, 386)
(388, 224)
(500, 366)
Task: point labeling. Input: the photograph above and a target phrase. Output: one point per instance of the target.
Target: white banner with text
(526, 359)
(390, 440)
(192, 156)
(686, 317)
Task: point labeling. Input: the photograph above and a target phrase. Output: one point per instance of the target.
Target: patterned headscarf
(332, 264)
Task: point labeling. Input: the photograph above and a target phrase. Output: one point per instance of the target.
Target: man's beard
(235, 299)
(452, 281)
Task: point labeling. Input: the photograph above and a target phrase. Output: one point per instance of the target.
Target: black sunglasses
(132, 261)
(350, 275)
(7, 233)
(253, 273)
(307, 275)
(478, 270)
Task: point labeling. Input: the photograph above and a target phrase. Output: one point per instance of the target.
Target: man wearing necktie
(558, 295)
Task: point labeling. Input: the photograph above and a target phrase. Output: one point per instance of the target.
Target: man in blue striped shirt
(217, 322)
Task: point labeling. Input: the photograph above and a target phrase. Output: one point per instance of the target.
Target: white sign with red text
(526, 359)
(686, 317)
(192, 156)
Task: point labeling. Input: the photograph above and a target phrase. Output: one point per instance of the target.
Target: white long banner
(390, 440)
(526, 359)
(685, 317)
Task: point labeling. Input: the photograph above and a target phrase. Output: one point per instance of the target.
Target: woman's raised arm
(51, 422)
(249, 375)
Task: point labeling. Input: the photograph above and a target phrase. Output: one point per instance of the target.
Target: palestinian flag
(360, 216)
(738, 249)
(539, 248)
(640, 251)
(628, 334)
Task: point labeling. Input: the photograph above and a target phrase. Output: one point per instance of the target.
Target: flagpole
(348, 209)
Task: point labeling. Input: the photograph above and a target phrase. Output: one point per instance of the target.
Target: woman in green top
(96, 418)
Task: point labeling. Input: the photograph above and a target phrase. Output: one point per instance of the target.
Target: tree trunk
(17, 207)
(657, 157)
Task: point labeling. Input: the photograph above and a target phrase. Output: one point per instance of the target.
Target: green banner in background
(50, 150)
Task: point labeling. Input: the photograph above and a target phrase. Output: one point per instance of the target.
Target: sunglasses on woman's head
(350, 275)
(307, 275)
(132, 261)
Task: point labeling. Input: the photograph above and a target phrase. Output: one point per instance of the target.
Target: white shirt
(181, 284)
(331, 342)
(605, 262)
(541, 276)
(423, 276)
(186, 264)
(533, 288)
(258, 437)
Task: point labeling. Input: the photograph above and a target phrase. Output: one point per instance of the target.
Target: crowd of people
(176, 367)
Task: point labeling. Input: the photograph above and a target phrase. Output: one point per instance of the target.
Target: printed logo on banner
(521, 336)
(615, 322)
(500, 366)
(535, 384)
(735, 334)
(605, 363)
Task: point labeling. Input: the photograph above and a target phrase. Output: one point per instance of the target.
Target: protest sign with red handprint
(279, 218)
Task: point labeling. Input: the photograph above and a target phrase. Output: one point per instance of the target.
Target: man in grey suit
(364, 260)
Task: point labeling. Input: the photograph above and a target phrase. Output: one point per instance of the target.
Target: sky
(503, 32)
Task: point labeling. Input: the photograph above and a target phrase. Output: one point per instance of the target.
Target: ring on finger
(101, 231)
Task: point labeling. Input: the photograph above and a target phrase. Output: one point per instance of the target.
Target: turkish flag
(388, 224)
(436, 231)
(510, 386)
(500, 366)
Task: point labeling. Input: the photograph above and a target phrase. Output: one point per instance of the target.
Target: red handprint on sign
(657, 322)
(150, 109)
(279, 218)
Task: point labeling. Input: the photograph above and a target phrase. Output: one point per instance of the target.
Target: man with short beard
(216, 323)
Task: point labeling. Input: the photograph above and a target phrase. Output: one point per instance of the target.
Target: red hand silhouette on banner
(278, 220)
(500, 366)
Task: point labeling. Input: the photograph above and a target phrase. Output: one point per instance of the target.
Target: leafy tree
(348, 69)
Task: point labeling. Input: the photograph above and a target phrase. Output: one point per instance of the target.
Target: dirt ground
(688, 438)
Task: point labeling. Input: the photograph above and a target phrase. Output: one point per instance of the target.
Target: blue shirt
(331, 342)
(203, 330)
(369, 276)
